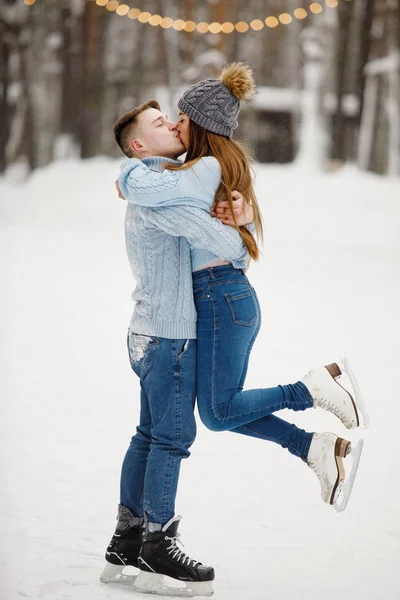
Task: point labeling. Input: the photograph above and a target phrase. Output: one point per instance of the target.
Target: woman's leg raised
(228, 323)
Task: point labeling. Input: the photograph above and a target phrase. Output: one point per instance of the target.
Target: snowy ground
(329, 280)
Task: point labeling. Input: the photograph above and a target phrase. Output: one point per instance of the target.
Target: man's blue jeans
(229, 319)
(167, 427)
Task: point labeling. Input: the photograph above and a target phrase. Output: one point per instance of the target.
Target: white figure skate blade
(153, 583)
(344, 494)
(358, 399)
(114, 574)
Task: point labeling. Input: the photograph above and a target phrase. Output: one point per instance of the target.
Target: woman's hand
(242, 210)
(119, 190)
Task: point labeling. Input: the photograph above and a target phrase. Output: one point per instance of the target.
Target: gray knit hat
(215, 103)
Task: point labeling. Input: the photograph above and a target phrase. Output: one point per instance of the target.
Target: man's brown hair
(123, 127)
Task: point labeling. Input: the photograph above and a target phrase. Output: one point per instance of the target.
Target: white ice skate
(325, 458)
(327, 393)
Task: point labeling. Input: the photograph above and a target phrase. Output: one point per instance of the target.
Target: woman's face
(182, 127)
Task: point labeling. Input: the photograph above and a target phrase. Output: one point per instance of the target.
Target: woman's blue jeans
(229, 320)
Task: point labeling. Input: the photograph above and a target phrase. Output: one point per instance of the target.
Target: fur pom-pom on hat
(238, 78)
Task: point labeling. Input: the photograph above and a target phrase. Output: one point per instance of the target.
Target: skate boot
(124, 548)
(328, 394)
(325, 458)
(161, 556)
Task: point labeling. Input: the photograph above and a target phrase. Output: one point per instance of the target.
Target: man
(162, 348)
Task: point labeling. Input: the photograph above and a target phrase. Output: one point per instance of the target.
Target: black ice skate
(161, 556)
(123, 550)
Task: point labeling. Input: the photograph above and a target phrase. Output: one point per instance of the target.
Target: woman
(229, 315)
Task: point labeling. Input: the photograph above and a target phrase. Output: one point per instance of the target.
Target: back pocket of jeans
(242, 306)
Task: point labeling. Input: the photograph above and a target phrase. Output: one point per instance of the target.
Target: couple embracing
(192, 228)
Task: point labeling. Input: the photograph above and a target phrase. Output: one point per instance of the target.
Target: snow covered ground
(329, 280)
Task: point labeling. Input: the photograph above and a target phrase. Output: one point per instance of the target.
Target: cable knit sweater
(166, 243)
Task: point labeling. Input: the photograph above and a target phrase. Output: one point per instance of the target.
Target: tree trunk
(5, 121)
(28, 147)
(342, 48)
(92, 79)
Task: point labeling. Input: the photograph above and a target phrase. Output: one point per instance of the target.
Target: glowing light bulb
(242, 27)
(300, 13)
(178, 25)
(144, 17)
(166, 22)
(227, 27)
(122, 10)
(271, 22)
(285, 18)
(134, 13)
(202, 27)
(190, 26)
(155, 20)
(215, 28)
(316, 8)
(257, 25)
(112, 5)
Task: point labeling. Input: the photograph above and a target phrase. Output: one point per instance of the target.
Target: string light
(271, 22)
(316, 8)
(202, 27)
(285, 18)
(155, 20)
(300, 13)
(228, 27)
(241, 27)
(215, 28)
(178, 25)
(112, 5)
(166, 22)
(123, 10)
(133, 13)
(190, 26)
(257, 25)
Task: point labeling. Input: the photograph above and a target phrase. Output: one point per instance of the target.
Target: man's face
(156, 136)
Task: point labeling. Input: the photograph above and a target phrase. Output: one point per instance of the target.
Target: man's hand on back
(243, 212)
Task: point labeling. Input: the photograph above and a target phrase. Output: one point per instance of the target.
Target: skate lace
(333, 408)
(178, 554)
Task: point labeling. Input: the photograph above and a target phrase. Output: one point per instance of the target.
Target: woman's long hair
(233, 159)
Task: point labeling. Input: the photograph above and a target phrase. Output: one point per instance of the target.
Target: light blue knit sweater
(170, 232)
